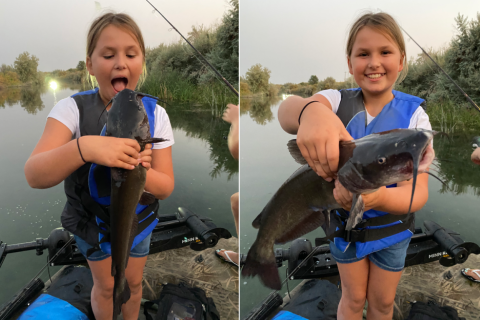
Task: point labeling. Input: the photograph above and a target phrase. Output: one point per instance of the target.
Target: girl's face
(375, 61)
(116, 62)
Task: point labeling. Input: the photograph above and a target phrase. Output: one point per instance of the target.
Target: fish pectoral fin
(153, 140)
(356, 212)
(146, 198)
(295, 152)
(311, 221)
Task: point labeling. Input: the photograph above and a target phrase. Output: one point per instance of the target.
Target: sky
(297, 39)
(55, 31)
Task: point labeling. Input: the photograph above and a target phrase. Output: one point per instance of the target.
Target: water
(265, 164)
(205, 176)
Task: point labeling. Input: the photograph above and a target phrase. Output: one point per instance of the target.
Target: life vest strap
(366, 235)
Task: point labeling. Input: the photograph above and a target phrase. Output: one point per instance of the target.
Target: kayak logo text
(437, 254)
(185, 240)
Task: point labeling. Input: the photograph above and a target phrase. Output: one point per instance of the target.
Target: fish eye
(382, 160)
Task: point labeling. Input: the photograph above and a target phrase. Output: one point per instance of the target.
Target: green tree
(81, 65)
(313, 79)
(26, 66)
(327, 83)
(257, 78)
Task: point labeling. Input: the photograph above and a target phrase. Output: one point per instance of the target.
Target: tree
(81, 65)
(327, 83)
(257, 78)
(313, 79)
(26, 66)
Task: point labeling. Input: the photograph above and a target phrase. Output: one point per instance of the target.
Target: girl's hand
(111, 152)
(344, 197)
(476, 156)
(146, 156)
(318, 138)
(231, 114)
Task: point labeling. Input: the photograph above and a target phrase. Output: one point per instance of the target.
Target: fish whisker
(443, 182)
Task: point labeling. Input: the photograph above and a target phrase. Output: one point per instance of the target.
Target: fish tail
(262, 263)
(121, 294)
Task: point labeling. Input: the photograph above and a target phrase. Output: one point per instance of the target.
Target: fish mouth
(119, 84)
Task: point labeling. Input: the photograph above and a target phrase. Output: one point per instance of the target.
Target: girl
(116, 58)
(376, 56)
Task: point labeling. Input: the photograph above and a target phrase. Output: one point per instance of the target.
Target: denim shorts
(390, 259)
(141, 250)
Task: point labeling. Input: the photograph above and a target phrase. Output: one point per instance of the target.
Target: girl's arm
(160, 180)
(318, 134)
(391, 200)
(56, 155)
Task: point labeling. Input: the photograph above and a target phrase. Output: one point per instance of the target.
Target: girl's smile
(375, 61)
(116, 62)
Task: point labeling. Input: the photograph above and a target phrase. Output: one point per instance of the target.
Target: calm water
(265, 164)
(205, 176)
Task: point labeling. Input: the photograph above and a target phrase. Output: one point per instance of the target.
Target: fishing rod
(272, 294)
(458, 87)
(34, 285)
(205, 60)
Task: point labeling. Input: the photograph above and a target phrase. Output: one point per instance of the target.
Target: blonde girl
(71, 142)
(376, 58)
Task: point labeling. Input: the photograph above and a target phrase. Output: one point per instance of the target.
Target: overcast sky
(56, 30)
(297, 39)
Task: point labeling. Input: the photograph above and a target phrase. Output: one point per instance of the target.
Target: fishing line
(205, 60)
(458, 87)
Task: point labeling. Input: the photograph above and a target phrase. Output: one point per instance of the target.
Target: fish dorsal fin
(295, 152)
(258, 220)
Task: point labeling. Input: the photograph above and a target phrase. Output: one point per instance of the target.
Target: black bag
(180, 302)
(431, 311)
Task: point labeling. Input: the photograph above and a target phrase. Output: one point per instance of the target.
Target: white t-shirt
(419, 118)
(66, 111)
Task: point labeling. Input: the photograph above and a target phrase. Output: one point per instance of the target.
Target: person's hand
(231, 114)
(146, 156)
(476, 156)
(318, 138)
(111, 152)
(344, 197)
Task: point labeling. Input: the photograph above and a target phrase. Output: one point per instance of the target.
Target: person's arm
(56, 155)
(231, 116)
(318, 134)
(160, 179)
(391, 200)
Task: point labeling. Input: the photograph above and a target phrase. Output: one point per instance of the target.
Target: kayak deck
(424, 282)
(201, 269)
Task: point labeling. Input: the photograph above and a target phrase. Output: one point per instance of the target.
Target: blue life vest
(101, 175)
(395, 115)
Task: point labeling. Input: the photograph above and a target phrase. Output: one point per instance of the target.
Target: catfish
(299, 205)
(127, 118)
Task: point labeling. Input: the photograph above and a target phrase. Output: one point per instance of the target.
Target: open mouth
(119, 84)
(375, 76)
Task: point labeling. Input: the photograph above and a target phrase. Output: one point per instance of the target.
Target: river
(205, 175)
(265, 164)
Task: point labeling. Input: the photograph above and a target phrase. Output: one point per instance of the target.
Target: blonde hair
(121, 21)
(385, 24)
